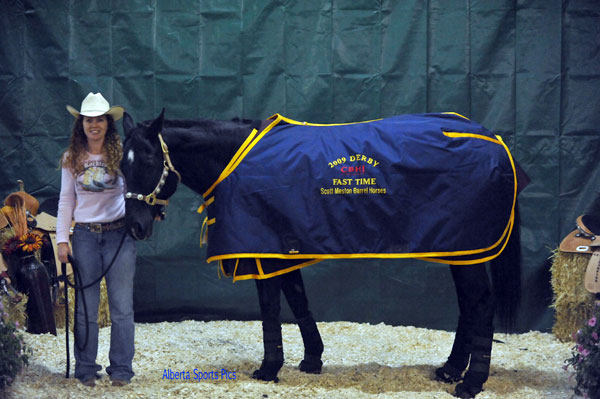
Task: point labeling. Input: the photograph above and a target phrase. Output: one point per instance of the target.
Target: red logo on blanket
(353, 170)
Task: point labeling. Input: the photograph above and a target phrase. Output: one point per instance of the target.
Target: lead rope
(63, 277)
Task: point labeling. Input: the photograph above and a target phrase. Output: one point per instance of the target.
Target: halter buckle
(150, 199)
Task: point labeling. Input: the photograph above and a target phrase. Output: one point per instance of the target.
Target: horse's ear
(127, 123)
(157, 124)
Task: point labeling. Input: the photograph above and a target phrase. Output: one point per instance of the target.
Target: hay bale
(59, 309)
(573, 303)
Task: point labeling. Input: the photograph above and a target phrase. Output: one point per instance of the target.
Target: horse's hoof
(465, 391)
(311, 366)
(448, 374)
(267, 371)
(261, 375)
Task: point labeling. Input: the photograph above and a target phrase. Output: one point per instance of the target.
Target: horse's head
(150, 177)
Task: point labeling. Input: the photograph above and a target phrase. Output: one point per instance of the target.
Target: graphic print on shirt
(95, 177)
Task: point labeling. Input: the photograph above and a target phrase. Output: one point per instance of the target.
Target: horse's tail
(506, 278)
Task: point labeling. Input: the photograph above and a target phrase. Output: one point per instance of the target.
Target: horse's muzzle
(138, 232)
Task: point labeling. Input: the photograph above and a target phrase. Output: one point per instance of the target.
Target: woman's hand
(63, 252)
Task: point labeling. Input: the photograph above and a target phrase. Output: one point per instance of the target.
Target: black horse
(158, 154)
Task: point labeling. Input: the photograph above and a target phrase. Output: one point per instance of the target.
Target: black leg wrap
(273, 358)
(269, 300)
(293, 289)
(479, 368)
(458, 360)
(313, 345)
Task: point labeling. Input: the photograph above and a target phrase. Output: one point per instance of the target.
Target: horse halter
(151, 199)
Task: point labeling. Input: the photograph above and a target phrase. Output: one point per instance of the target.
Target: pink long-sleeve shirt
(94, 196)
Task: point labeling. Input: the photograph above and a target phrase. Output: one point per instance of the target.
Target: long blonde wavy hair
(112, 149)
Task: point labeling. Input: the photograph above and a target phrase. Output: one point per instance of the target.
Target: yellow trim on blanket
(263, 276)
(241, 153)
(429, 256)
(294, 122)
(473, 135)
(455, 113)
(206, 203)
(237, 262)
(259, 267)
(480, 260)
(204, 232)
(225, 172)
(416, 255)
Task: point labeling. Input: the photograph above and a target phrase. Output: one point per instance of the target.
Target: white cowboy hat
(96, 105)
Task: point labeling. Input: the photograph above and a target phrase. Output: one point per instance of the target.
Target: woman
(92, 194)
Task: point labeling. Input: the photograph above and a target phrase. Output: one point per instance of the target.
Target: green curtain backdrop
(528, 70)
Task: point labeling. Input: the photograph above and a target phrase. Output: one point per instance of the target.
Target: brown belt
(100, 227)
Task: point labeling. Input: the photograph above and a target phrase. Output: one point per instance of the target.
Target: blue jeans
(93, 253)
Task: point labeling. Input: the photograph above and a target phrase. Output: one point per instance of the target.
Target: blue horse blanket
(434, 186)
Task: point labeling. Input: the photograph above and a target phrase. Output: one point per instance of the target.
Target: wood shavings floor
(360, 361)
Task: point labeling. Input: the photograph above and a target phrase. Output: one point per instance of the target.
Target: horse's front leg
(270, 309)
(473, 340)
(295, 294)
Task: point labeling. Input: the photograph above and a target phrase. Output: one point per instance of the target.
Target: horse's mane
(206, 123)
(192, 131)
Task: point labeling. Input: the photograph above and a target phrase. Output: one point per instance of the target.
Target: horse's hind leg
(270, 308)
(473, 340)
(293, 289)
